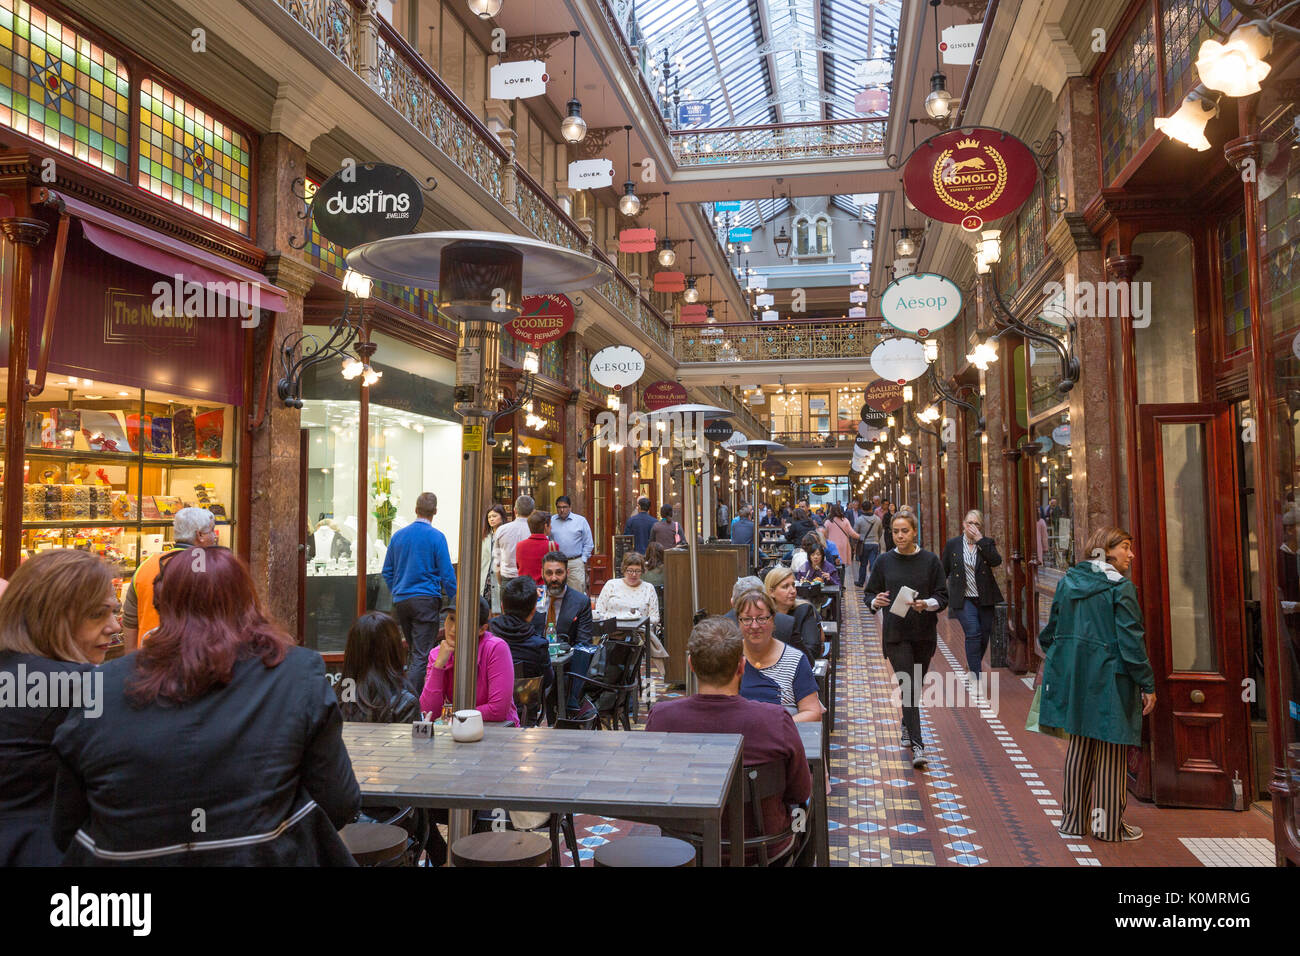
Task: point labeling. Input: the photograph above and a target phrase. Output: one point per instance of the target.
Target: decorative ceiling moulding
(534, 46)
(974, 9)
(1112, 205)
(596, 143)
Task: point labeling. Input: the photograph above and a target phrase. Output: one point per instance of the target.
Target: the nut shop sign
(543, 319)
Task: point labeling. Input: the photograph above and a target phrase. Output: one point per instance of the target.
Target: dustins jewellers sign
(920, 304)
(542, 319)
(617, 367)
(367, 201)
(970, 176)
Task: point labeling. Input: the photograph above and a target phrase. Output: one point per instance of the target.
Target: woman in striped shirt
(775, 672)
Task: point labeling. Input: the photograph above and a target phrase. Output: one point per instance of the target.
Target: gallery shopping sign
(542, 319)
(617, 367)
(970, 176)
(920, 304)
(363, 202)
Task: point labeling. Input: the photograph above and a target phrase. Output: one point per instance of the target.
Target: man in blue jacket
(639, 525)
(420, 576)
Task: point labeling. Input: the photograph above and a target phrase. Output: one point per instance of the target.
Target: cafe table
(684, 780)
(811, 735)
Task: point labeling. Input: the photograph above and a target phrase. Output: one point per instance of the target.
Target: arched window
(823, 232)
(802, 236)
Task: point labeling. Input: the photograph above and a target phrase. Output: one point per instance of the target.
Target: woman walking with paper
(908, 583)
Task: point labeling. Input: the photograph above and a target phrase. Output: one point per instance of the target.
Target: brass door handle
(1198, 697)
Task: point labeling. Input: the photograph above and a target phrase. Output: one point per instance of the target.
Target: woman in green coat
(1095, 670)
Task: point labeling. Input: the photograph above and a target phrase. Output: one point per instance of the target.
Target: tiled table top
(683, 776)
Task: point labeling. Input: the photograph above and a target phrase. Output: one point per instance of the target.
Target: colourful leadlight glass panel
(1236, 284)
(1031, 237)
(1280, 216)
(1182, 31)
(191, 158)
(63, 90)
(1053, 176)
(1008, 273)
(1127, 97)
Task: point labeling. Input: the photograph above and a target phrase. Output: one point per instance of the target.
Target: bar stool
(501, 848)
(645, 851)
(375, 844)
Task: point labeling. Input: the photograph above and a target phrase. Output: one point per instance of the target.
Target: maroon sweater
(770, 735)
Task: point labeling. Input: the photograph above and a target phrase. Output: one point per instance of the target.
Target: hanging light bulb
(907, 393)
(370, 376)
(356, 284)
(532, 362)
(931, 350)
(905, 439)
(1188, 124)
(612, 403)
(485, 9)
(905, 245)
(573, 127)
(939, 103)
(629, 204)
(667, 257)
(1235, 68)
(352, 368)
(691, 294)
(991, 245)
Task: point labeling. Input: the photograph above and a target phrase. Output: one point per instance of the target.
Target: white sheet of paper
(903, 603)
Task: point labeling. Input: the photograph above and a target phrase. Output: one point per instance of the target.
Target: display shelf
(123, 458)
(128, 525)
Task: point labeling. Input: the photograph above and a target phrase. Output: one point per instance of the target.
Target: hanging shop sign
(861, 444)
(770, 315)
(873, 72)
(719, 430)
(542, 319)
(591, 173)
(860, 255)
(899, 360)
(886, 396)
(519, 79)
(861, 277)
(858, 296)
(765, 299)
(663, 393)
(758, 283)
(364, 202)
(727, 205)
(617, 367)
(872, 101)
(776, 469)
(869, 432)
(637, 240)
(857, 312)
(820, 489)
(957, 43)
(693, 113)
(970, 176)
(670, 281)
(875, 417)
(694, 313)
(1061, 435)
(740, 234)
(921, 304)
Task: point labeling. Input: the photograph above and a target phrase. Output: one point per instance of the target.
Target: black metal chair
(528, 699)
(613, 689)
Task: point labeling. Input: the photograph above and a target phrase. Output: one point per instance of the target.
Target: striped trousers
(1095, 788)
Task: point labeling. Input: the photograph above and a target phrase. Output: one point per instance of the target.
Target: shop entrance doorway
(1188, 564)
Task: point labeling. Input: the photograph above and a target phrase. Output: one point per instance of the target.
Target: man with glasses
(572, 536)
(191, 528)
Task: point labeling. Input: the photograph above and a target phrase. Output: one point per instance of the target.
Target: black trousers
(911, 662)
(420, 618)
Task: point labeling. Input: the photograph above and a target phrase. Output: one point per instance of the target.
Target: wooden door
(603, 529)
(1192, 602)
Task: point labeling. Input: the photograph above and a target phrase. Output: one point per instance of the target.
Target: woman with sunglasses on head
(775, 672)
(58, 618)
(909, 641)
(973, 592)
(219, 712)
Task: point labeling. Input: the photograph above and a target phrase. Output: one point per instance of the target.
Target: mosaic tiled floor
(990, 795)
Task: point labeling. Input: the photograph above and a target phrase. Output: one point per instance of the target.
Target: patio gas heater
(480, 278)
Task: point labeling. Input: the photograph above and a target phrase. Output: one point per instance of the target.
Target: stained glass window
(193, 159)
(1182, 32)
(1279, 199)
(1008, 271)
(1127, 97)
(58, 87)
(1236, 284)
(1053, 176)
(1031, 236)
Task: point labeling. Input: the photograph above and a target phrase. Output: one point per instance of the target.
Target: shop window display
(1053, 505)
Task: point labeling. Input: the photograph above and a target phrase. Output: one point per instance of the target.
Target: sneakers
(918, 757)
(1130, 833)
(905, 741)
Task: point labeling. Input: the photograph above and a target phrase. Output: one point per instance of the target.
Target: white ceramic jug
(467, 726)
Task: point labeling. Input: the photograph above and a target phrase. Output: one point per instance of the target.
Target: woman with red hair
(220, 742)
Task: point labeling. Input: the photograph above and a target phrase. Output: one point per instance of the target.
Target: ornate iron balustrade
(829, 441)
(333, 22)
(630, 61)
(743, 419)
(779, 142)
(775, 341)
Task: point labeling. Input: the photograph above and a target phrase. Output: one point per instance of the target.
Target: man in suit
(569, 612)
(743, 532)
(968, 563)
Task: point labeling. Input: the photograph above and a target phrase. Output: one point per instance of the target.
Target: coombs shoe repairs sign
(920, 304)
(970, 176)
(367, 201)
(542, 319)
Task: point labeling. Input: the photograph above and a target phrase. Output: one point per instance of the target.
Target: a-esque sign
(518, 80)
(693, 113)
(921, 304)
(886, 396)
(899, 360)
(617, 367)
(591, 173)
(970, 176)
(367, 201)
(542, 319)
(637, 240)
(670, 281)
(719, 430)
(663, 393)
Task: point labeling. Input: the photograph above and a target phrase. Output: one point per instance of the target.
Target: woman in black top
(221, 743)
(58, 617)
(800, 525)
(909, 642)
(372, 688)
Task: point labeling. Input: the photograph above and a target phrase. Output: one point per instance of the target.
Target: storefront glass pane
(1164, 338)
(1053, 504)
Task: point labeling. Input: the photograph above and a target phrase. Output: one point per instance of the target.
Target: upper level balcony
(795, 351)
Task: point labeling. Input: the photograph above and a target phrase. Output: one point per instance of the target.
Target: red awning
(170, 257)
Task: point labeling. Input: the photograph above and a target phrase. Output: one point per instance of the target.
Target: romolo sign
(617, 367)
(920, 304)
(970, 176)
(367, 201)
(542, 319)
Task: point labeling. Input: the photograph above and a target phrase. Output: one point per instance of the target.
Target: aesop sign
(364, 202)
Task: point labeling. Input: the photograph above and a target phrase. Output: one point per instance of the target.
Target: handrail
(759, 127)
(778, 324)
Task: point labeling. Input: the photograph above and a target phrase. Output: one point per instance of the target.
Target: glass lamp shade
(905, 247)
(573, 127)
(692, 294)
(1188, 124)
(667, 256)
(629, 204)
(939, 103)
(991, 245)
(485, 9)
(352, 368)
(1235, 68)
(981, 267)
(782, 243)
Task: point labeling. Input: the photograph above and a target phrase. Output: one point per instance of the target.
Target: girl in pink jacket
(495, 685)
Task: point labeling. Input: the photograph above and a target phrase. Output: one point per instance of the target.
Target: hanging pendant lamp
(573, 127)
(630, 203)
